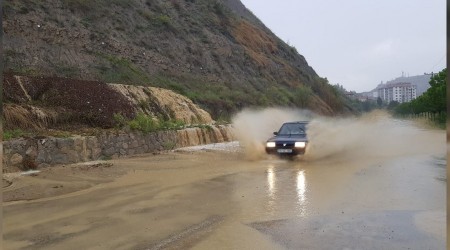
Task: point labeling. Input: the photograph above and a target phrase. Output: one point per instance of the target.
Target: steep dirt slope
(215, 52)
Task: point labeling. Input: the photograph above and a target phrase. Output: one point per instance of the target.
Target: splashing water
(375, 134)
(254, 127)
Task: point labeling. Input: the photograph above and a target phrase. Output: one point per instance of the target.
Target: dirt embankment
(54, 102)
(163, 102)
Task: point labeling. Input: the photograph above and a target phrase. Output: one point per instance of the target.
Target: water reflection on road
(301, 191)
(271, 189)
(271, 179)
(385, 203)
(289, 181)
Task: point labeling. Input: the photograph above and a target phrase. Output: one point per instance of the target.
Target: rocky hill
(215, 52)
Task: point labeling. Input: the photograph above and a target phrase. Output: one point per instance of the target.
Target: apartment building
(400, 92)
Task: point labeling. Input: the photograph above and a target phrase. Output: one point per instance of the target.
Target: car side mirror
(275, 133)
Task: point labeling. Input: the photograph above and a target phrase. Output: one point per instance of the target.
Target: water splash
(374, 134)
(253, 127)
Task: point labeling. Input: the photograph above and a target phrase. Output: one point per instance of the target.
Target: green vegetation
(62, 134)
(352, 103)
(169, 145)
(433, 102)
(87, 5)
(205, 126)
(171, 125)
(162, 20)
(119, 120)
(222, 100)
(121, 70)
(143, 123)
(147, 124)
(80, 4)
(29, 71)
(11, 134)
(66, 71)
(219, 9)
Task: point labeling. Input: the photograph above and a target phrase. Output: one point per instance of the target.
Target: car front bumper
(285, 151)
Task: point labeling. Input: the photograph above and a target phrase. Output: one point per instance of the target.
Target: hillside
(217, 53)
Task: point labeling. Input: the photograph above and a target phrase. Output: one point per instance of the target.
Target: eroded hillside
(216, 52)
(42, 103)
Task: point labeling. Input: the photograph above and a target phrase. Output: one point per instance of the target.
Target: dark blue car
(290, 140)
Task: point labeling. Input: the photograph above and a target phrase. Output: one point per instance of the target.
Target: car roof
(296, 122)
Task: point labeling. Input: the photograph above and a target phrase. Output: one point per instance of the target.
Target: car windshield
(292, 129)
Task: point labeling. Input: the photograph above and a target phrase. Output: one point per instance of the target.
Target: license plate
(284, 151)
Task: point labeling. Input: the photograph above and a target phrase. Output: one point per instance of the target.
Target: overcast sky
(359, 43)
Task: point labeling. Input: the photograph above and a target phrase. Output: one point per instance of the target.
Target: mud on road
(224, 199)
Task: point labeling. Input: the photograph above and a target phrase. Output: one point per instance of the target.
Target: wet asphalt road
(208, 200)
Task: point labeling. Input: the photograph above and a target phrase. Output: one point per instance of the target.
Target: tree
(379, 101)
(439, 79)
(432, 101)
(393, 104)
(437, 93)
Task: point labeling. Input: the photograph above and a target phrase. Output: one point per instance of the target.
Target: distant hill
(216, 52)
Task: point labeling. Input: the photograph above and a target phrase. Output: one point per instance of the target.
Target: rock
(32, 152)
(110, 151)
(16, 159)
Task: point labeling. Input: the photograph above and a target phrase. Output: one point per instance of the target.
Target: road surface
(209, 199)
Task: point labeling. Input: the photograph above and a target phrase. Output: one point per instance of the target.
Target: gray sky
(359, 43)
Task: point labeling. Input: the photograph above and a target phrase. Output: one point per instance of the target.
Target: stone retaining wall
(26, 153)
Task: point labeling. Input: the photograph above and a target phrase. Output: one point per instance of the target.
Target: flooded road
(210, 199)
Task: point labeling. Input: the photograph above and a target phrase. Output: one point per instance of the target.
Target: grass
(82, 5)
(119, 69)
(62, 134)
(205, 126)
(162, 20)
(168, 145)
(13, 134)
(67, 71)
(147, 124)
(89, 5)
(143, 123)
(29, 71)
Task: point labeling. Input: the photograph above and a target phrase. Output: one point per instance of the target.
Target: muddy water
(362, 196)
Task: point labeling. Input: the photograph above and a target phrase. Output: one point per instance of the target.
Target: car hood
(288, 138)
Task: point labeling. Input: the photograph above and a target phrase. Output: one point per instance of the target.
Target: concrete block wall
(44, 152)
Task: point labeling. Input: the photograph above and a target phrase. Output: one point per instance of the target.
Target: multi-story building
(400, 92)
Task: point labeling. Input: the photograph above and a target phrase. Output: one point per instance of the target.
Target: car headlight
(301, 144)
(270, 144)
